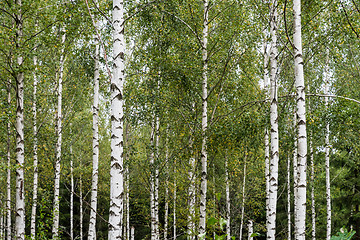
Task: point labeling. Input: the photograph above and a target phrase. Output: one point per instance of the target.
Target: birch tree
(8, 171)
(274, 134)
(117, 119)
(204, 121)
(95, 144)
(300, 207)
(56, 208)
(20, 151)
(327, 154)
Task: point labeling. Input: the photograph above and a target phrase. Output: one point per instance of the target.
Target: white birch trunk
(35, 164)
(156, 195)
(127, 203)
(192, 195)
(20, 152)
(56, 210)
(251, 230)
(243, 202)
(300, 208)
(72, 192)
(295, 164)
(166, 218)
(8, 177)
(203, 190)
(274, 134)
(81, 208)
(117, 120)
(174, 209)
(152, 180)
(289, 198)
(95, 144)
(132, 233)
(327, 158)
(228, 236)
(313, 213)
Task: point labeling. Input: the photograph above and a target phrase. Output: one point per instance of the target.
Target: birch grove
(250, 94)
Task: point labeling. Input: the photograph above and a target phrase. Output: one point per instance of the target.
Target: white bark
(251, 230)
(56, 210)
(132, 233)
(35, 163)
(8, 178)
(20, 152)
(243, 201)
(204, 124)
(300, 208)
(327, 158)
(174, 209)
(192, 194)
(152, 180)
(289, 198)
(274, 133)
(81, 208)
(313, 213)
(227, 181)
(127, 204)
(156, 195)
(72, 192)
(166, 218)
(295, 163)
(95, 144)
(117, 120)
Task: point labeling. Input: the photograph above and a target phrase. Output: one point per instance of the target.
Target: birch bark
(8, 177)
(192, 196)
(228, 236)
(174, 209)
(243, 202)
(156, 195)
(251, 230)
(300, 208)
(72, 193)
(289, 198)
(327, 157)
(95, 144)
(20, 153)
(117, 119)
(204, 125)
(274, 134)
(313, 213)
(152, 180)
(166, 218)
(35, 157)
(56, 210)
(81, 207)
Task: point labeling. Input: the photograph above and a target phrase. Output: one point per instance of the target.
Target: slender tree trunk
(166, 218)
(8, 179)
(127, 203)
(243, 202)
(274, 134)
(132, 233)
(289, 198)
(20, 153)
(327, 156)
(81, 208)
(117, 120)
(72, 192)
(152, 180)
(204, 125)
(156, 195)
(300, 208)
(35, 164)
(95, 144)
(56, 210)
(174, 209)
(313, 213)
(295, 164)
(192, 195)
(251, 230)
(227, 181)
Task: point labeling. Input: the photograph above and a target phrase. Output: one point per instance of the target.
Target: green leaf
(254, 234)
(211, 221)
(202, 236)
